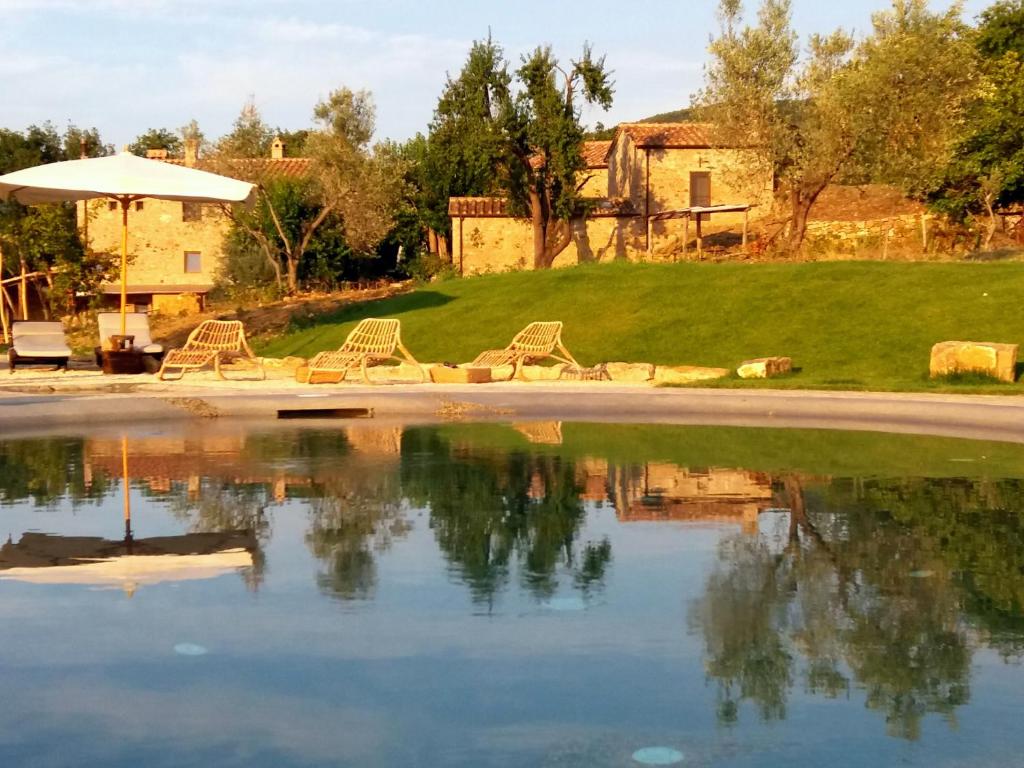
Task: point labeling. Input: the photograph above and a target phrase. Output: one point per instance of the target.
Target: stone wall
(872, 234)
(500, 244)
(596, 184)
(158, 239)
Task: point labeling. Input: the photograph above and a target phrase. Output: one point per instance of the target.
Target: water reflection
(838, 584)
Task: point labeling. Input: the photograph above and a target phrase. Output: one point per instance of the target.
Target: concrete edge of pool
(967, 416)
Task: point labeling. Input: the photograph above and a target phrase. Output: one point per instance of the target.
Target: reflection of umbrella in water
(122, 178)
(44, 558)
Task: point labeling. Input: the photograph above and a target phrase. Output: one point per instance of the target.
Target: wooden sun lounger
(536, 341)
(372, 341)
(213, 341)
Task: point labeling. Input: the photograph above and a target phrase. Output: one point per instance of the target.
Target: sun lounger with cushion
(137, 325)
(535, 342)
(38, 343)
(212, 341)
(372, 341)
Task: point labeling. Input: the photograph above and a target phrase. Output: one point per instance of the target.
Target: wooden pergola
(697, 213)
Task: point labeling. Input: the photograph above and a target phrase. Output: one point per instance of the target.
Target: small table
(122, 361)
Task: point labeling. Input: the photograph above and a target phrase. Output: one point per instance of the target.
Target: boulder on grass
(764, 367)
(990, 358)
(687, 374)
(629, 371)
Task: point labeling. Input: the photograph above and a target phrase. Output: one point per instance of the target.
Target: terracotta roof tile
(478, 206)
(595, 153)
(261, 167)
(667, 134)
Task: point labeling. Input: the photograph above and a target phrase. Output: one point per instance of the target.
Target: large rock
(764, 367)
(990, 358)
(629, 371)
(686, 374)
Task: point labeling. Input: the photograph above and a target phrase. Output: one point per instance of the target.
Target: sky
(124, 66)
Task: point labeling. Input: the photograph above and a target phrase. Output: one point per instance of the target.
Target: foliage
(249, 135)
(848, 325)
(322, 227)
(987, 171)
(887, 108)
(46, 236)
(157, 138)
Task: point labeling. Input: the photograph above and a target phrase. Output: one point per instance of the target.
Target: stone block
(442, 374)
(764, 367)
(629, 371)
(687, 374)
(990, 358)
(503, 372)
(542, 372)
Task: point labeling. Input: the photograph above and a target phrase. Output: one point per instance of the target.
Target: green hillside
(847, 325)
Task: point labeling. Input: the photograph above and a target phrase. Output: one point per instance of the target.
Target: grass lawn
(847, 325)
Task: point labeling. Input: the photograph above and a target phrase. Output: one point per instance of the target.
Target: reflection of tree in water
(353, 517)
(494, 511)
(213, 505)
(47, 470)
(865, 588)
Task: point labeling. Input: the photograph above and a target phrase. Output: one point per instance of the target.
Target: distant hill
(676, 116)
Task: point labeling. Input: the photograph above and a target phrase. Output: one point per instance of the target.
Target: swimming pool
(526, 594)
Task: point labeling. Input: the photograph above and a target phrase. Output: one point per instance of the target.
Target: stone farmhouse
(644, 186)
(176, 248)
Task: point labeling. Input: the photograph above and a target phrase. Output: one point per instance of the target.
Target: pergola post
(686, 233)
(650, 236)
(746, 221)
(3, 307)
(700, 240)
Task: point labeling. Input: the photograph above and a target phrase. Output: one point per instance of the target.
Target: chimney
(191, 152)
(277, 149)
(156, 154)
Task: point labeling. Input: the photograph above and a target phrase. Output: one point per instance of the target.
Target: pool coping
(988, 417)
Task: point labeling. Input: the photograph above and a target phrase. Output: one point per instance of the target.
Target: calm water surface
(538, 594)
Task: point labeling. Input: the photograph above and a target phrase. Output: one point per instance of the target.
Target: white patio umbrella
(124, 178)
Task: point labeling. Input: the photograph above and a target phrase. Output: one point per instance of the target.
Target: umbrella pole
(125, 202)
(127, 496)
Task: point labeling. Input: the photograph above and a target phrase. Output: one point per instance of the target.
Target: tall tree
(488, 137)
(888, 107)
(545, 142)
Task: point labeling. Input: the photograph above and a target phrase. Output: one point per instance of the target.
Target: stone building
(175, 249)
(643, 185)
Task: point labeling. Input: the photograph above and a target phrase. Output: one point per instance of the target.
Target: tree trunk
(293, 275)
(539, 221)
(990, 229)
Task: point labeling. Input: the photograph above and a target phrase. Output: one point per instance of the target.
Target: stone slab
(629, 371)
(687, 374)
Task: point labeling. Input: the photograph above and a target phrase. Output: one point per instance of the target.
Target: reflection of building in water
(662, 491)
(160, 461)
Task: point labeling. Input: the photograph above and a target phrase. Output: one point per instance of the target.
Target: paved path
(969, 416)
